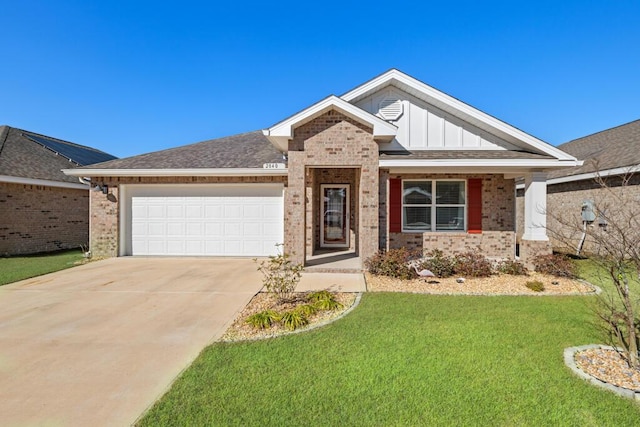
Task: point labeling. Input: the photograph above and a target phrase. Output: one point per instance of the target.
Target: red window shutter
(474, 205)
(395, 205)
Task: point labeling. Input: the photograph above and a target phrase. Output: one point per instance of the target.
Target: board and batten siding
(425, 127)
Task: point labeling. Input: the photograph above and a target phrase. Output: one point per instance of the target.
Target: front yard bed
(405, 359)
(241, 330)
(497, 284)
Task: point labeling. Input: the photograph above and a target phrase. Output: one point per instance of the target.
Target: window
(433, 205)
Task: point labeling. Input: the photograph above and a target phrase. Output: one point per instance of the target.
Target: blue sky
(130, 77)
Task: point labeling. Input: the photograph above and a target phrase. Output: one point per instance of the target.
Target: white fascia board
(42, 182)
(280, 133)
(455, 107)
(591, 175)
(465, 163)
(177, 172)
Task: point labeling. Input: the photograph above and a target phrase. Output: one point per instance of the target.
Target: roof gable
(280, 133)
(455, 108)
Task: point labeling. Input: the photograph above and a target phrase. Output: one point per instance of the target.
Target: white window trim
(434, 206)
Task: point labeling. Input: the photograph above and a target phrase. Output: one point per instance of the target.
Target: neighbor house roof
(28, 157)
(241, 152)
(615, 149)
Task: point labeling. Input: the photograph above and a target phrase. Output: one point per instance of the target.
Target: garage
(202, 219)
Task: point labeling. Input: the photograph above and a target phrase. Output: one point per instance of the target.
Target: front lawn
(17, 268)
(406, 359)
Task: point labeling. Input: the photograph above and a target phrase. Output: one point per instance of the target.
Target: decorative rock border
(569, 360)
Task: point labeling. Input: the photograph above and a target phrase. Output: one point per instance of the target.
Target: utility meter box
(588, 211)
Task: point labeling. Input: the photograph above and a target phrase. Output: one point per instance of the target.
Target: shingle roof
(247, 150)
(460, 155)
(27, 154)
(617, 147)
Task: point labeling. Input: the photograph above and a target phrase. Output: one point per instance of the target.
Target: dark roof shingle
(27, 154)
(247, 150)
(617, 147)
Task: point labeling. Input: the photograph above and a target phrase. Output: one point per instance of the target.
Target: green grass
(406, 359)
(17, 268)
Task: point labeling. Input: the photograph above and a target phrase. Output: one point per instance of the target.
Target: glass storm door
(334, 223)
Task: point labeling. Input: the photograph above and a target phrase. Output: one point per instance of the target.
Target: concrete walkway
(97, 344)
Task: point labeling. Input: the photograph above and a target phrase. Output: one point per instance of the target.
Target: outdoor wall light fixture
(104, 188)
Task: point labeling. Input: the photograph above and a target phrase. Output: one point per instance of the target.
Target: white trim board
(42, 182)
(177, 172)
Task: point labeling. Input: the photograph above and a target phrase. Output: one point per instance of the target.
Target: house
(612, 155)
(393, 162)
(41, 208)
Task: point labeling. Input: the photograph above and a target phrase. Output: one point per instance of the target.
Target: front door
(334, 214)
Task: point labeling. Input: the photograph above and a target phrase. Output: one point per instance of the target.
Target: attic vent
(390, 109)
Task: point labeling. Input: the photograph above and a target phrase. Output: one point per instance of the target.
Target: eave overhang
(281, 133)
(42, 182)
(176, 172)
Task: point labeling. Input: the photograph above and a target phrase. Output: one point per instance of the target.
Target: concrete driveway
(99, 343)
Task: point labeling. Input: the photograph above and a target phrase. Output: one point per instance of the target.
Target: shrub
(471, 264)
(439, 264)
(281, 275)
(307, 309)
(324, 300)
(263, 320)
(515, 268)
(535, 285)
(293, 319)
(392, 263)
(555, 264)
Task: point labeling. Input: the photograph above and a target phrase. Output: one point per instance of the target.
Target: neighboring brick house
(610, 155)
(41, 208)
(393, 162)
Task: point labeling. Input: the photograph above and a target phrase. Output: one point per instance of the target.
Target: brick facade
(564, 208)
(105, 209)
(331, 141)
(497, 239)
(42, 219)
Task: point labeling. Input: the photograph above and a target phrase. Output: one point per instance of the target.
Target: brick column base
(530, 249)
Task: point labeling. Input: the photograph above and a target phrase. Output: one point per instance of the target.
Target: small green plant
(307, 309)
(324, 300)
(294, 319)
(535, 285)
(471, 264)
(263, 320)
(555, 264)
(439, 264)
(512, 267)
(392, 263)
(281, 275)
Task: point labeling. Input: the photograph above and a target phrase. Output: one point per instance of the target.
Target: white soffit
(281, 133)
(456, 108)
(42, 182)
(176, 172)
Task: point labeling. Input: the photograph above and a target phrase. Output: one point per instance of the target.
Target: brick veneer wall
(497, 239)
(564, 209)
(331, 140)
(105, 209)
(36, 218)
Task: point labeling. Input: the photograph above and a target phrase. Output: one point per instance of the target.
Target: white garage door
(231, 220)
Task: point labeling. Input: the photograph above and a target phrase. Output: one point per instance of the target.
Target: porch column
(294, 209)
(535, 207)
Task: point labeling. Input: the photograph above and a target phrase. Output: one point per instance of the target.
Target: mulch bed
(608, 366)
(497, 284)
(240, 330)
